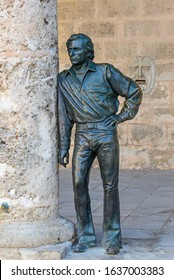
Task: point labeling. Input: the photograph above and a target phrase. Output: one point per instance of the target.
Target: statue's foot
(83, 246)
(112, 248)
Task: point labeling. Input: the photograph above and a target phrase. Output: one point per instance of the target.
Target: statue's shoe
(83, 246)
(112, 248)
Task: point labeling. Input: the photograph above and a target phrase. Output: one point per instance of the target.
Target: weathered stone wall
(28, 125)
(123, 30)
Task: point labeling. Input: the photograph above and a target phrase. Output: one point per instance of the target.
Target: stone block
(119, 8)
(111, 50)
(168, 25)
(157, 7)
(65, 30)
(136, 28)
(115, 50)
(163, 115)
(67, 10)
(7, 254)
(160, 95)
(50, 252)
(133, 158)
(85, 9)
(148, 136)
(75, 10)
(158, 49)
(98, 29)
(161, 159)
(165, 71)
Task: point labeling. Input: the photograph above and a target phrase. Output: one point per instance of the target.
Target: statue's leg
(108, 156)
(83, 158)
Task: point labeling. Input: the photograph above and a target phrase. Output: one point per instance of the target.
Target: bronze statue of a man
(88, 97)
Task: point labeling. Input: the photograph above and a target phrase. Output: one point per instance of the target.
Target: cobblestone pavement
(147, 213)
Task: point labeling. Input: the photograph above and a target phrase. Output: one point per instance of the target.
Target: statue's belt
(96, 125)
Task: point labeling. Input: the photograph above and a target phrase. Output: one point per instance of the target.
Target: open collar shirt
(95, 98)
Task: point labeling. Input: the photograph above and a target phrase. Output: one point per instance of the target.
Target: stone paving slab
(132, 251)
(147, 213)
(49, 252)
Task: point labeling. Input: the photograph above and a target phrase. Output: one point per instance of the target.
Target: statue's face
(77, 52)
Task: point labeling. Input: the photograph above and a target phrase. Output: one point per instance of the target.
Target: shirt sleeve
(126, 88)
(64, 123)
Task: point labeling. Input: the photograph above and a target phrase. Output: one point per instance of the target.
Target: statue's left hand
(63, 157)
(112, 121)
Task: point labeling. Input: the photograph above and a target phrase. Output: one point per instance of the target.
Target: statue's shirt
(95, 98)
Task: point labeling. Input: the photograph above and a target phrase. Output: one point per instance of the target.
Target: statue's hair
(88, 43)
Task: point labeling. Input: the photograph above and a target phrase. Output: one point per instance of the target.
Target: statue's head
(87, 42)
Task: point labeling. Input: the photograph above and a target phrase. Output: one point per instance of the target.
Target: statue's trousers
(96, 140)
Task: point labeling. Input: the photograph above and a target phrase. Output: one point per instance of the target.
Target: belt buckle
(94, 126)
(90, 125)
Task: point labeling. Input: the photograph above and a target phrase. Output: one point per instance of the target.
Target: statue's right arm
(64, 129)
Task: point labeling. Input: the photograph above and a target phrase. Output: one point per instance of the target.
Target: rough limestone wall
(122, 30)
(28, 156)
